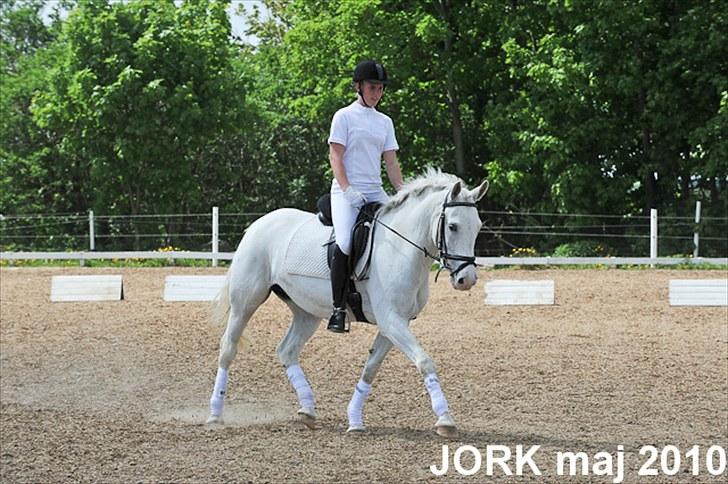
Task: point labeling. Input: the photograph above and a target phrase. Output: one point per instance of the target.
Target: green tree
(607, 98)
(29, 180)
(567, 106)
(139, 92)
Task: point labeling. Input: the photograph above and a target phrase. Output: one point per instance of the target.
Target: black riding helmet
(370, 71)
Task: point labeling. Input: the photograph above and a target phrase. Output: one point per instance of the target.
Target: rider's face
(372, 92)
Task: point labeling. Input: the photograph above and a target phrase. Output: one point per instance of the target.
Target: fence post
(91, 236)
(653, 233)
(696, 235)
(215, 233)
(91, 231)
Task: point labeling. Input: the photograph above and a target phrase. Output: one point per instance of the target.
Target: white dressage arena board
(192, 288)
(512, 292)
(86, 288)
(698, 292)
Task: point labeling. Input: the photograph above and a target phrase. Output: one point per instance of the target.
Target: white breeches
(344, 216)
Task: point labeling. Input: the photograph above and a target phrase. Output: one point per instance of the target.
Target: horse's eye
(453, 227)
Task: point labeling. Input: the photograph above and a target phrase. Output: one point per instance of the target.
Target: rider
(360, 138)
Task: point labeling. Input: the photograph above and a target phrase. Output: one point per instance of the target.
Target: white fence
(214, 255)
(482, 261)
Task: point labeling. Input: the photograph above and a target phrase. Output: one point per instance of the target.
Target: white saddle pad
(306, 253)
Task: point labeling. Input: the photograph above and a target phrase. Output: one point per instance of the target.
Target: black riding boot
(339, 285)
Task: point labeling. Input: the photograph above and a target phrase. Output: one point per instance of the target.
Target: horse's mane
(432, 180)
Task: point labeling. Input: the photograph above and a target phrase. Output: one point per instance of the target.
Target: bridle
(443, 256)
(441, 241)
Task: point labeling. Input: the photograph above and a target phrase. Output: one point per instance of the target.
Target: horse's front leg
(397, 331)
(380, 348)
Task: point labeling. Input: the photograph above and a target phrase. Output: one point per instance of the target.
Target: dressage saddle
(360, 237)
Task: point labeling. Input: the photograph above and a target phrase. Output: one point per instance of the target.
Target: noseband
(443, 255)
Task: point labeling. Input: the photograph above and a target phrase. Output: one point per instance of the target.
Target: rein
(443, 255)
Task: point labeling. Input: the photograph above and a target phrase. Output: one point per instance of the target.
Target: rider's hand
(355, 198)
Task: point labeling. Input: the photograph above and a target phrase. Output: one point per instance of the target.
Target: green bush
(583, 248)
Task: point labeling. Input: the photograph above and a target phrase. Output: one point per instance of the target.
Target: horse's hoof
(214, 420)
(307, 417)
(447, 432)
(445, 427)
(355, 429)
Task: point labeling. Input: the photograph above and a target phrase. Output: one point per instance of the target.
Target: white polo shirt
(366, 133)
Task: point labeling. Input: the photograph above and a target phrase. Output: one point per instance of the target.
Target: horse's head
(456, 230)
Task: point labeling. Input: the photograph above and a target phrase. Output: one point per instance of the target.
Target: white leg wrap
(218, 393)
(356, 405)
(300, 384)
(439, 404)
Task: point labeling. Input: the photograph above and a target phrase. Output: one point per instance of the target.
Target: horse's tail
(221, 304)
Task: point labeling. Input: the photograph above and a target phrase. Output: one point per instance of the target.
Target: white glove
(355, 198)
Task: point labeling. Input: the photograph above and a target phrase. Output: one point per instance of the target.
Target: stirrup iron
(338, 323)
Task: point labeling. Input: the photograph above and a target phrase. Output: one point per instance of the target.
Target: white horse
(436, 214)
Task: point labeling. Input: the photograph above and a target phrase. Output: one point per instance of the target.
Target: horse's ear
(455, 190)
(481, 190)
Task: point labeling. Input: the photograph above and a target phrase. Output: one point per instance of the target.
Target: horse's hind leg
(245, 298)
(289, 349)
(380, 348)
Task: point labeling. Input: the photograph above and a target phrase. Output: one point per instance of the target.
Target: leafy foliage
(583, 248)
(573, 106)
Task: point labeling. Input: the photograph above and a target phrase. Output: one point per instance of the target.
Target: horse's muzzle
(464, 280)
